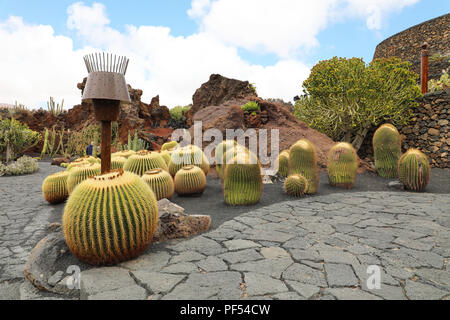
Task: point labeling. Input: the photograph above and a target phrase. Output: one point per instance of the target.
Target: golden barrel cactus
(144, 161)
(54, 188)
(110, 218)
(80, 173)
(220, 152)
(169, 145)
(296, 185)
(186, 156)
(303, 161)
(414, 170)
(160, 182)
(283, 163)
(117, 162)
(126, 154)
(190, 180)
(387, 150)
(342, 165)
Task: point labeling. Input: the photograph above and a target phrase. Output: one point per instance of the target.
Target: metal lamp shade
(106, 85)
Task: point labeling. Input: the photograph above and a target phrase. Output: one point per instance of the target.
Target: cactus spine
(161, 183)
(189, 155)
(80, 173)
(342, 165)
(283, 163)
(243, 181)
(144, 161)
(111, 218)
(387, 151)
(169, 145)
(54, 188)
(303, 161)
(190, 180)
(414, 170)
(117, 163)
(296, 185)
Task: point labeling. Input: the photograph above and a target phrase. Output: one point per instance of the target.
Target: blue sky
(350, 34)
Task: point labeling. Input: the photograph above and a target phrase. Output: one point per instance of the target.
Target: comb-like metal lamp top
(106, 78)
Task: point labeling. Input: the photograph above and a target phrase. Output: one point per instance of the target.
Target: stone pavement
(311, 248)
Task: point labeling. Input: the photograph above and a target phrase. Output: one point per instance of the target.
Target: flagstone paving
(312, 248)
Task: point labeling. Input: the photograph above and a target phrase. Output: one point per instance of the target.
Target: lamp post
(424, 68)
(106, 88)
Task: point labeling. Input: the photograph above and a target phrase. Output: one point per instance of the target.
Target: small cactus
(243, 181)
(414, 170)
(190, 180)
(169, 145)
(160, 182)
(54, 188)
(110, 218)
(80, 173)
(296, 185)
(117, 162)
(387, 150)
(303, 161)
(342, 165)
(144, 161)
(283, 163)
(189, 155)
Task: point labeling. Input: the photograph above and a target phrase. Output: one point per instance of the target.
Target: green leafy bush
(344, 98)
(22, 166)
(252, 106)
(79, 140)
(177, 112)
(441, 84)
(15, 138)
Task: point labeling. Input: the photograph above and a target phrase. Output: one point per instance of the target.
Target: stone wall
(407, 44)
(428, 130)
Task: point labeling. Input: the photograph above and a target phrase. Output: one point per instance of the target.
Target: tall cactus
(296, 185)
(160, 182)
(387, 150)
(54, 188)
(243, 181)
(80, 173)
(414, 170)
(342, 165)
(303, 161)
(110, 218)
(283, 163)
(144, 161)
(190, 180)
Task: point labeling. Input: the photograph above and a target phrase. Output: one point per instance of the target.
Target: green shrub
(344, 98)
(441, 84)
(22, 166)
(79, 140)
(178, 112)
(252, 106)
(15, 138)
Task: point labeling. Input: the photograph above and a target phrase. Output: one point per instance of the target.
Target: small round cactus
(186, 156)
(110, 218)
(169, 145)
(144, 161)
(414, 170)
(303, 160)
(54, 188)
(342, 165)
(243, 181)
(117, 162)
(80, 173)
(296, 185)
(387, 150)
(190, 180)
(160, 182)
(283, 163)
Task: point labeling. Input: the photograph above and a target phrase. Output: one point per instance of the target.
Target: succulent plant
(243, 181)
(169, 145)
(221, 150)
(110, 218)
(296, 185)
(342, 165)
(118, 162)
(190, 180)
(126, 154)
(160, 182)
(283, 163)
(303, 161)
(387, 150)
(144, 161)
(189, 155)
(166, 154)
(80, 173)
(414, 170)
(54, 187)
(229, 156)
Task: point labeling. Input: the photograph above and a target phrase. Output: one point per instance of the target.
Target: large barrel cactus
(414, 170)
(243, 181)
(303, 161)
(342, 165)
(387, 150)
(283, 163)
(54, 188)
(160, 182)
(220, 152)
(190, 180)
(166, 155)
(110, 218)
(186, 156)
(232, 153)
(80, 173)
(144, 161)
(117, 162)
(169, 145)
(296, 185)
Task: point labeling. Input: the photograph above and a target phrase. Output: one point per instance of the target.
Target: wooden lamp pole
(424, 68)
